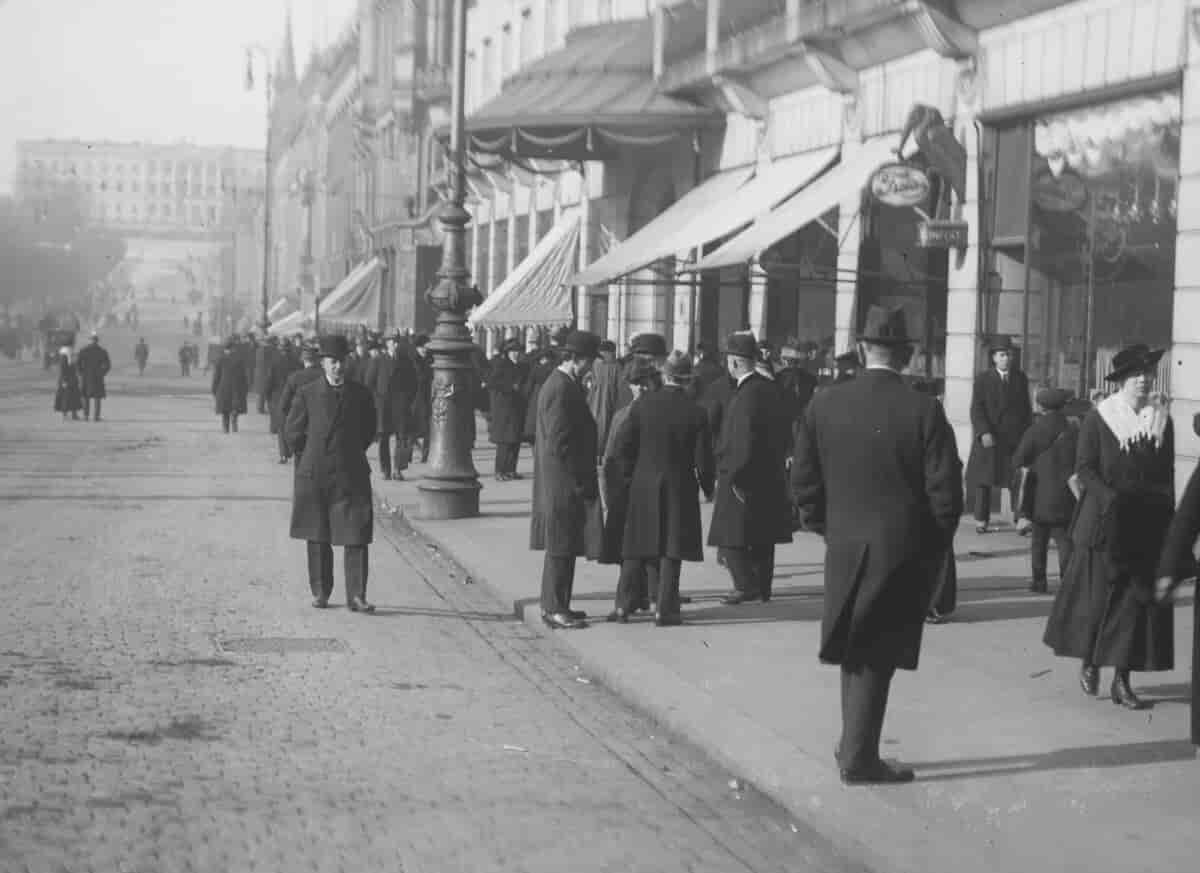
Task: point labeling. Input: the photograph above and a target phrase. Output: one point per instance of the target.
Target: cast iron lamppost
(264, 321)
(451, 488)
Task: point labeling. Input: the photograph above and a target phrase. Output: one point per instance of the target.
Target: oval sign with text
(899, 185)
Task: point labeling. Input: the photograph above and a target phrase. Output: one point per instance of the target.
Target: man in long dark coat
(93, 364)
(141, 354)
(423, 405)
(667, 445)
(604, 392)
(264, 358)
(284, 362)
(876, 470)
(706, 370)
(330, 426)
(1001, 412)
(752, 512)
(396, 386)
(566, 520)
(508, 414)
(796, 384)
(542, 363)
(310, 372)
(230, 385)
(645, 348)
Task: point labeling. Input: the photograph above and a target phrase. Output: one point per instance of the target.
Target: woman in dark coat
(230, 385)
(507, 405)
(1104, 612)
(667, 444)
(67, 399)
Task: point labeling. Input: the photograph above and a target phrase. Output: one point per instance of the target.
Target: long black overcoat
(264, 358)
(539, 371)
(877, 469)
(287, 397)
(706, 373)
(1177, 562)
(797, 386)
(422, 407)
(93, 363)
(331, 431)
(615, 477)
(396, 386)
(1048, 450)
(505, 383)
(665, 441)
(603, 396)
(230, 384)
(751, 455)
(1104, 611)
(1006, 413)
(566, 517)
(283, 364)
(715, 401)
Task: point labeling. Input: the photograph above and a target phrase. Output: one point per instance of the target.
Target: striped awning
(536, 293)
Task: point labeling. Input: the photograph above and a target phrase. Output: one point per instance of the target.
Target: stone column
(1185, 331)
(962, 300)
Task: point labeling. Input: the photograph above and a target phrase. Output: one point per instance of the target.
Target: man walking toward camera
(330, 426)
(876, 470)
(1001, 412)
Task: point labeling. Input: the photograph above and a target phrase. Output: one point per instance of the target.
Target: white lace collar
(1129, 425)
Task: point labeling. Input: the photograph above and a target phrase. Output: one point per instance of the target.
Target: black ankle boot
(1122, 694)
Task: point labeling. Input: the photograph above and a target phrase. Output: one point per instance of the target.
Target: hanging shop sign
(900, 185)
(942, 235)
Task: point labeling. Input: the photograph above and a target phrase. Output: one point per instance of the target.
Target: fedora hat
(678, 366)
(742, 345)
(1132, 359)
(885, 326)
(336, 346)
(582, 344)
(651, 344)
(1053, 398)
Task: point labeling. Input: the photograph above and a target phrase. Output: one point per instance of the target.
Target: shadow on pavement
(144, 498)
(384, 611)
(1081, 758)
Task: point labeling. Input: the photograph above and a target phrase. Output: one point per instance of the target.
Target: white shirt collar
(742, 378)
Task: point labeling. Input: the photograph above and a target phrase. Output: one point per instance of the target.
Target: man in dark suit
(1001, 412)
(330, 426)
(566, 521)
(93, 365)
(751, 512)
(396, 386)
(876, 470)
(309, 372)
(796, 384)
(706, 369)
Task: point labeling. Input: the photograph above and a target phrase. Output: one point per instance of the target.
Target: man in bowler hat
(330, 426)
(566, 522)
(1001, 412)
(876, 471)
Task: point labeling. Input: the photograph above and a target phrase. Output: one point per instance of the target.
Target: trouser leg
(385, 455)
(284, 451)
(983, 504)
(233, 422)
(631, 585)
(501, 459)
(96, 412)
(864, 704)
(1039, 544)
(87, 407)
(558, 578)
(742, 570)
(403, 453)
(320, 569)
(1063, 541)
(225, 422)
(355, 560)
(669, 570)
(514, 455)
(764, 569)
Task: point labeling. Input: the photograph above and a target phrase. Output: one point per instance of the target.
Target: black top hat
(1132, 359)
(885, 326)
(335, 346)
(582, 343)
(651, 344)
(742, 345)
(1053, 398)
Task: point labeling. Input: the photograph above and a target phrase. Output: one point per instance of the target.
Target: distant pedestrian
(1001, 412)
(796, 384)
(542, 362)
(604, 391)
(94, 365)
(296, 380)
(507, 409)
(230, 385)
(185, 360)
(264, 358)
(67, 398)
(395, 388)
(141, 354)
(284, 362)
(423, 405)
(1104, 613)
(566, 520)
(330, 426)
(876, 471)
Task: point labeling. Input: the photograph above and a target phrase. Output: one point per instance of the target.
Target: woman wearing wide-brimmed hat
(1104, 612)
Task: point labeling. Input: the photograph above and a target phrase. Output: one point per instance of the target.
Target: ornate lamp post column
(451, 488)
(306, 187)
(264, 321)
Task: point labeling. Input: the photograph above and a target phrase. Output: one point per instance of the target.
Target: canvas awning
(354, 302)
(595, 93)
(822, 195)
(723, 205)
(288, 325)
(282, 307)
(536, 293)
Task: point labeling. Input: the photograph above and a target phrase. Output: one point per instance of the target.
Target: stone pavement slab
(1014, 765)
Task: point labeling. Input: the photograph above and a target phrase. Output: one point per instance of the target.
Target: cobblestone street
(173, 703)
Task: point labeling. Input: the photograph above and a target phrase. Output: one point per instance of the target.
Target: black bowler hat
(336, 346)
(582, 344)
(651, 344)
(1132, 359)
(1000, 343)
(885, 327)
(1053, 398)
(742, 345)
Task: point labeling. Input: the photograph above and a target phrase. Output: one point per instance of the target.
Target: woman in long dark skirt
(67, 399)
(1105, 613)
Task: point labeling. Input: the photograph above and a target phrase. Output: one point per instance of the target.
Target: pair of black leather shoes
(667, 620)
(320, 603)
(1122, 694)
(733, 598)
(563, 620)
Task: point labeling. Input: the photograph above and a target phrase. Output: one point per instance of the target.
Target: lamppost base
(446, 499)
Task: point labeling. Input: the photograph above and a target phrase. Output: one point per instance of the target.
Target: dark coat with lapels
(567, 517)
(1048, 450)
(330, 430)
(664, 441)
(1004, 411)
(1178, 562)
(287, 397)
(508, 410)
(283, 365)
(93, 363)
(230, 384)
(396, 384)
(876, 468)
(751, 455)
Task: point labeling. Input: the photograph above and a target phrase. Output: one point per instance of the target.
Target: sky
(150, 70)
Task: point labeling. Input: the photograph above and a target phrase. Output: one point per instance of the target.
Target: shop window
(1094, 269)
(802, 284)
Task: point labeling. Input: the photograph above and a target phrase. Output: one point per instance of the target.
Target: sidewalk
(1016, 769)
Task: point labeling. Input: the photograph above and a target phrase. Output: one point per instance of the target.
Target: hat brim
(1146, 362)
